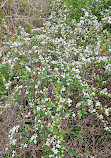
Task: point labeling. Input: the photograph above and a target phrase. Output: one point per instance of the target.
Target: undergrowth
(55, 88)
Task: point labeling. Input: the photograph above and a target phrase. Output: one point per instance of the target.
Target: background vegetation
(55, 78)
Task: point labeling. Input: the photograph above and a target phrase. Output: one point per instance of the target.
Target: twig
(93, 146)
(2, 5)
(21, 17)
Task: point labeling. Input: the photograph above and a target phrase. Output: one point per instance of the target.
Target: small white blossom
(86, 13)
(100, 116)
(35, 141)
(48, 142)
(33, 137)
(36, 86)
(55, 150)
(13, 153)
(63, 89)
(56, 69)
(6, 148)
(28, 68)
(107, 112)
(104, 91)
(25, 145)
(93, 94)
(26, 92)
(58, 145)
(13, 141)
(78, 104)
(39, 121)
(46, 99)
(69, 100)
(92, 110)
(97, 103)
(90, 102)
(7, 84)
(38, 108)
(73, 114)
(75, 70)
(107, 128)
(12, 131)
(20, 87)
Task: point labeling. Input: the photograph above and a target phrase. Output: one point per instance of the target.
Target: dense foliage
(55, 77)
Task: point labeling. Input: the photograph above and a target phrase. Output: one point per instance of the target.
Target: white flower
(58, 109)
(55, 150)
(62, 99)
(69, 100)
(86, 94)
(20, 86)
(73, 114)
(26, 92)
(12, 131)
(33, 137)
(56, 69)
(35, 141)
(104, 91)
(78, 104)
(63, 89)
(36, 86)
(13, 141)
(107, 128)
(46, 99)
(81, 21)
(100, 116)
(54, 62)
(107, 112)
(47, 142)
(28, 68)
(93, 93)
(25, 145)
(39, 121)
(97, 103)
(38, 108)
(75, 70)
(0, 54)
(35, 92)
(13, 153)
(92, 110)
(104, 82)
(68, 83)
(69, 105)
(40, 91)
(86, 13)
(58, 141)
(90, 102)
(7, 84)
(58, 145)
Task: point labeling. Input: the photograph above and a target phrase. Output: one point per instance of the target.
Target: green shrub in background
(4, 77)
(75, 8)
(98, 8)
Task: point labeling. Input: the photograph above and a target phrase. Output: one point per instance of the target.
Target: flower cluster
(62, 74)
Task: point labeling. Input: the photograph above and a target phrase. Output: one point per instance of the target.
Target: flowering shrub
(59, 72)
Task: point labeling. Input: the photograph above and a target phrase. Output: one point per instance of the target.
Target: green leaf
(79, 140)
(14, 37)
(4, 71)
(61, 132)
(30, 28)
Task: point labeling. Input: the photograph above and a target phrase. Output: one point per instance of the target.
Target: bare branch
(3, 4)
